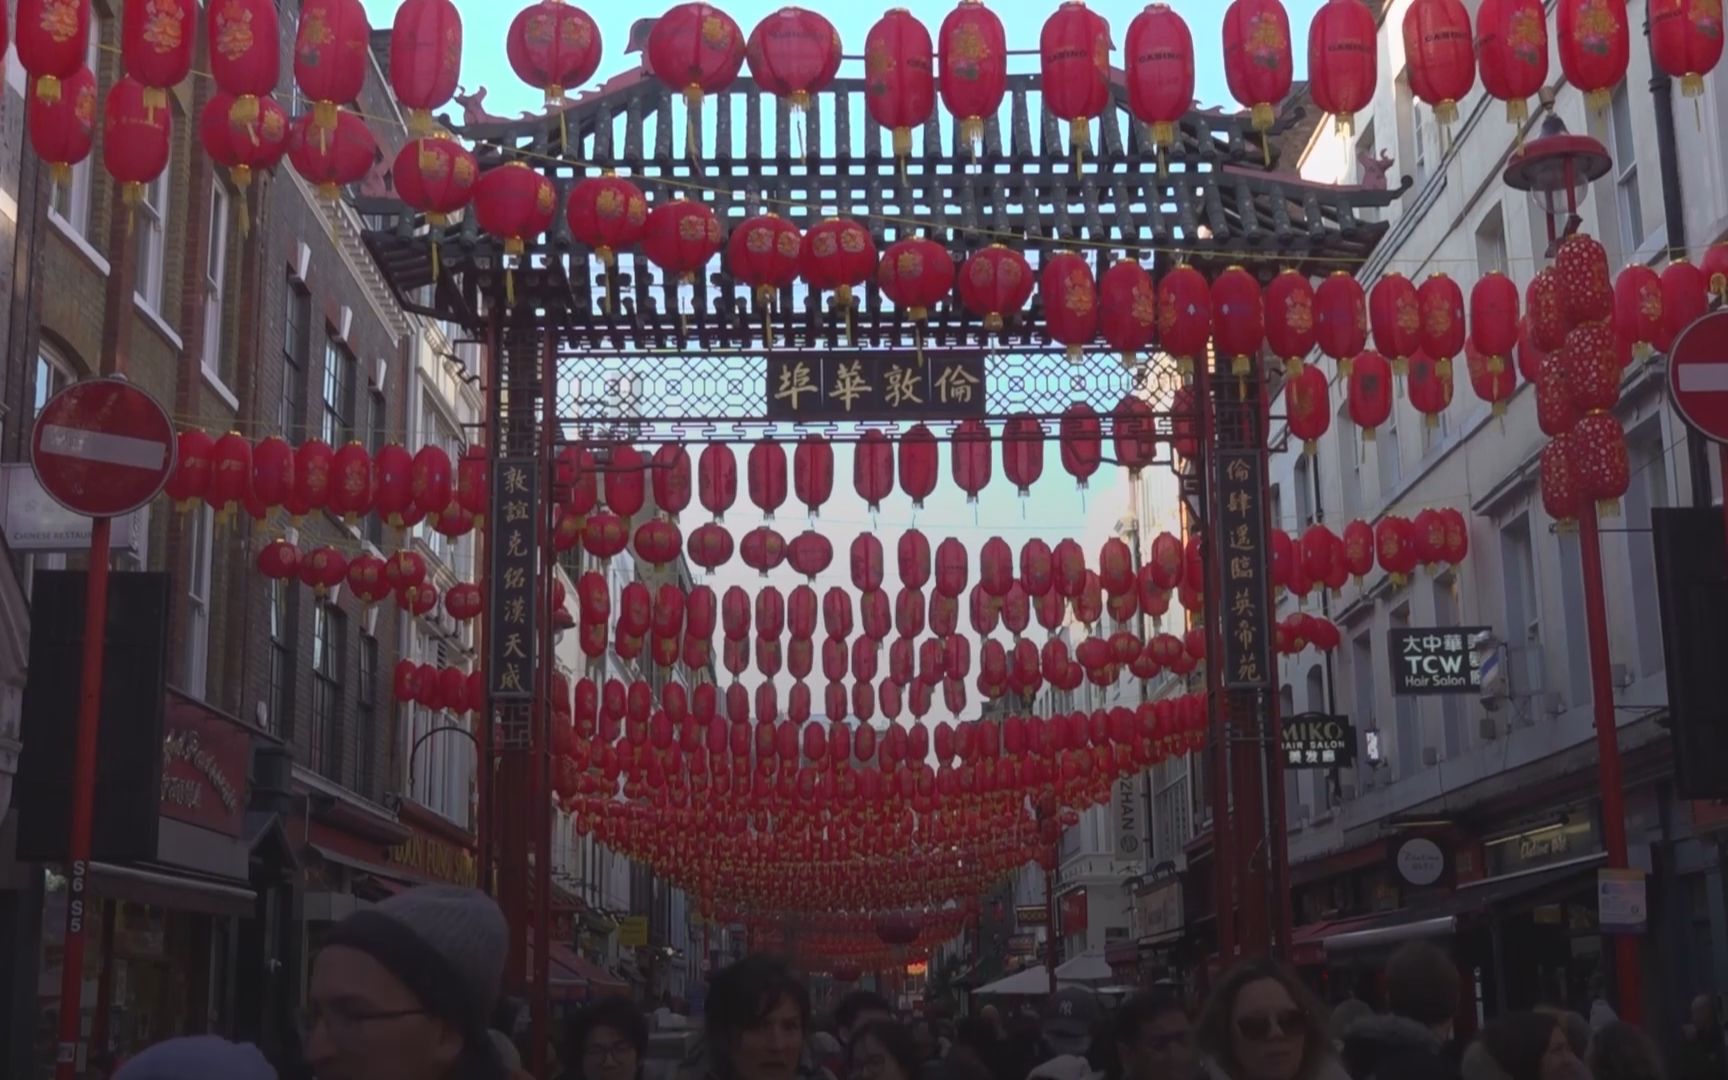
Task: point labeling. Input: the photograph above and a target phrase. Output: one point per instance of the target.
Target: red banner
(204, 756)
(1073, 911)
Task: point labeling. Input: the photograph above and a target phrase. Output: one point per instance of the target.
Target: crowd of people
(407, 990)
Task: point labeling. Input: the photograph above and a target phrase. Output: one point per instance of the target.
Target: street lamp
(1557, 169)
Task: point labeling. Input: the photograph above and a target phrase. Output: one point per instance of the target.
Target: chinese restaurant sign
(1317, 741)
(204, 758)
(1242, 549)
(510, 637)
(887, 387)
(1437, 660)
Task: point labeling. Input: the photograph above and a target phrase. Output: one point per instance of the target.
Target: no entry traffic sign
(1698, 376)
(102, 447)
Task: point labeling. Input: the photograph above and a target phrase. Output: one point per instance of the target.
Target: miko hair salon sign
(1437, 659)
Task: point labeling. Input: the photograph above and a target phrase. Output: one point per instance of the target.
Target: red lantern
(1127, 309)
(1116, 567)
(134, 139)
(1714, 268)
(1562, 496)
(766, 469)
(1023, 452)
(695, 49)
(241, 148)
(326, 568)
(435, 176)
(1512, 49)
(1430, 537)
(873, 468)
(671, 478)
(351, 484)
(1441, 303)
(245, 46)
(1133, 427)
(1395, 314)
(331, 161)
(763, 253)
(1430, 388)
(367, 577)
(272, 472)
(813, 472)
(1437, 46)
(918, 464)
(710, 546)
(156, 42)
(1358, 544)
(1591, 366)
(1686, 39)
(1257, 61)
(425, 58)
(658, 542)
(553, 46)
(62, 122)
(1581, 272)
(899, 76)
(1684, 299)
(1070, 301)
(794, 54)
(53, 40)
(912, 555)
(330, 56)
(1595, 45)
(810, 553)
(1546, 310)
(392, 493)
(1238, 316)
(681, 234)
(606, 213)
(1342, 60)
(1306, 397)
(473, 483)
(1074, 68)
(463, 602)
(429, 481)
(1368, 393)
(995, 283)
(1395, 547)
(916, 274)
(1184, 315)
(1494, 321)
(1599, 462)
(515, 204)
(279, 560)
(717, 479)
(605, 534)
(1079, 439)
(1289, 316)
(866, 563)
(1492, 379)
(1555, 411)
(972, 74)
(191, 475)
(1341, 318)
(762, 549)
(970, 458)
(1530, 357)
(1638, 309)
(1158, 66)
(996, 567)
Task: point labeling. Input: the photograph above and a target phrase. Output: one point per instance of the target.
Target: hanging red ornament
(435, 176)
(1546, 310)
(1441, 58)
(1638, 309)
(1686, 40)
(1562, 496)
(53, 41)
(1289, 303)
(1597, 447)
(192, 466)
(279, 560)
(766, 468)
(605, 534)
(810, 553)
(626, 490)
(1134, 428)
(1080, 442)
(763, 253)
(330, 161)
(1342, 53)
(899, 76)
(1306, 397)
(240, 148)
(839, 255)
(1127, 309)
(1395, 548)
(1023, 451)
(813, 472)
(995, 284)
(1238, 319)
(135, 139)
(866, 563)
(607, 213)
(62, 126)
(1257, 63)
(1184, 315)
(658, 542)
(1074, 69)
(1591, 365)
(916, 274)
(1441, 303)
(695, 49)
(762, 549)
(1556, 412)
(1581, 272)
(1530, 356)
(1341, 319)
(425, 58)
(553, 47)
(710, 546)
(1595, 45)
(1158, 66)
(429, 481)
(330, 57)
(670, 469)
(918, 464)
(156, 42)
(1685, 296)
(1395, 315)
(1494, 321)
(717, 479)
(681, 234)
(794, 54)
(1185, 423)
(1512, 50)
(245, 53)
(972, 68)
(970, 457)
(951, 569)
(1714, 267)
(1070, 301)
(1492, 382)
(1430, 388)
(873, 468)
(1368, 393)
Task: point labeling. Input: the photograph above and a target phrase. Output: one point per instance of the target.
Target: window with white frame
(1623, 148)
(150, 231)
(70, 201)
(296, 357)
(1446, 606)
(1491, 242)
(218, 363)
(1518, 563)
(339, 374)
(281, 658)
(195, 675)
(328, 656)
(1387, 454)
(1647, 491)
(366, 714)
(1303, 484)
(53, 374)
(1349, 459)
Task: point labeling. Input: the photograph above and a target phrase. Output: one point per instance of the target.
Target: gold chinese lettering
(1238, 503)
(516, 480)
(1242, 603)
(1248, 670)
(1241, 568)
(513, 646)
(516, 510)
(1239, 539)
(516, 610)
(903, 386)
(955, 385)
(511, 678)
(516, 547)
(849, 384)
(794, 383)
(1245, 635)
(515, 578)
(1237, 471)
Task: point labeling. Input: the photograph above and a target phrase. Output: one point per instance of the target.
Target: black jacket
(1396, 1048)
(1701, 1058)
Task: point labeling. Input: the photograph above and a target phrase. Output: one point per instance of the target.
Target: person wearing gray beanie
(403, 990)
(195, 1057)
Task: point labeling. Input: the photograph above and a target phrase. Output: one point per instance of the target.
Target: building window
(195, 676)
(70, 201)
(1362, 686)
(1303, 483)
(366, 713)
(1349, 459)
(1451, 705)
(1409, 723)
(1648, 490)
(374, 442)
(1518, 563)
(1624, 150)
(324, 747)
(339, 367)
(1386, 452)
(52, 376)
(296, 357)
(150, 227)
(281, 658)
(1491, 242)
(217, 364)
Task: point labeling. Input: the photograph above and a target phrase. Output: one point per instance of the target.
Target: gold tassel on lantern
(130, 193)
(60, 173)
(1080, 138)
(1518, 112)
(1344, 124)
(1262, 118)
(692, 116)
(324, 119)
(972, 134)
(48, 89)
(1443, 368)
(154, 98)
(513, 248)
(244, 113)
(420, 123)
(843, 298)
(242, 177)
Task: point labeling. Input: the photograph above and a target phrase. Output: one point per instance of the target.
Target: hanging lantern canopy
(330, 56)
(425, 58)
(1597, 447)
(1684, 299)
(1491, 378)
(1595, 45)
(553, 46)
(1184, 315)
(1562, 496)
(330, 162)
(1238, 317)
(793, 54)
(1127, 309)
(1289, 304)
(607, 213)
(1342, 60)
(695, 49)
(243, 149)
(1257, 63)
(245, 53)
(1395, 315)
(1686, 40)
(681, 234)
(1441, 304)
(763, 253)
(813, 472)
(1074, 69)
(1023, 452)
(972, 67)
(918, 464)
(995, 284)
(62, 124)
(970, 457)
(717, 479)
(435, 176)
(766, 469)
(670, 469)
(1158, 67)
(625, 489)
(1430, 388)
(1638, 309)
(710, 546)
(838, 255)
(1080, 441)
(53, 42)
(873, 468)
(156, 42)
(1441, 57)
(1395, 548)
(1556, 412)
(1368, 393)
(1341, 319)
(1307, 399)
(135, 139)
(1581, 272)
(916, 274)
(1494, 321)
(1134, 429)
(762, 549)
(1512, 50)
(899, 76)
(1070, 301)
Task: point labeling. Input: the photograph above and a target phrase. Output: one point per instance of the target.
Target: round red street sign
(102, 447)
(1698, 376)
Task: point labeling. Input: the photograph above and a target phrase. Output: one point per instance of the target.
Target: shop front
(1159, 926)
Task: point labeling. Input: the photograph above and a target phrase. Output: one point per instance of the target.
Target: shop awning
(1088, 967)
(162, 886)
(1032, 982)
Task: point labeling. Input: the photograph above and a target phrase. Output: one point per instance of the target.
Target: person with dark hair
(1523, 1046)
(1151, 1039)
(403, 990)
(858, 1008)
(1262, 1024)
(1702, 1056)
(608, 1040)
(1066, 1030)
(883, 1050)
(757, 1017)
(1619, 1051)
(1412, 1040)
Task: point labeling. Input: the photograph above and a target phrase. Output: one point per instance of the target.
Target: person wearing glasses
(1153, 1040)
(403, 990)
(1262, 1024)
(607, 1041)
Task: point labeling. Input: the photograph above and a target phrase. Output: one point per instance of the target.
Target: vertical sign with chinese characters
(511, 633)
(804, 387)
(1243, 556)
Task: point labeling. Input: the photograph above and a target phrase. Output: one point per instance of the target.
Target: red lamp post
(1556, 169)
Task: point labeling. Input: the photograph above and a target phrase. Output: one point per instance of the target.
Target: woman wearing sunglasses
(1262, 1024)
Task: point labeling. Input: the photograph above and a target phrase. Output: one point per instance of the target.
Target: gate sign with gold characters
(889, 386)
(511, 631)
